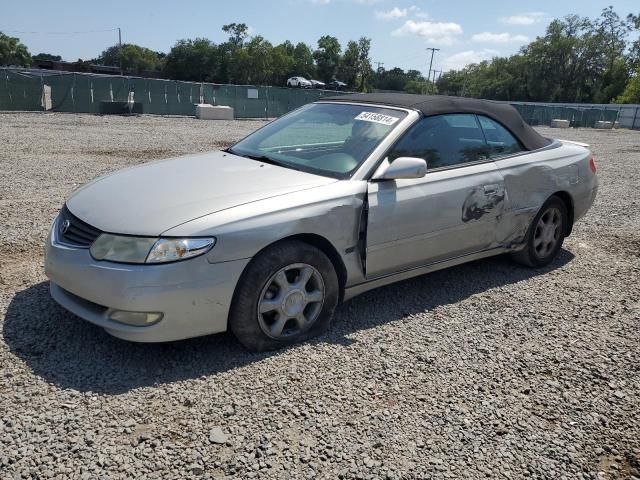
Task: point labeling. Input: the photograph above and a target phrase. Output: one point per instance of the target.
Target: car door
(452, 211)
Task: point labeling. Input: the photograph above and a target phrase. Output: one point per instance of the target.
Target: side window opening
(499, 140)
(444, 141)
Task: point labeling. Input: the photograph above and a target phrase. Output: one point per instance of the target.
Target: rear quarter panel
(530, 179)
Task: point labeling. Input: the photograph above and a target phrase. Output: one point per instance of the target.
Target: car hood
(152, 198)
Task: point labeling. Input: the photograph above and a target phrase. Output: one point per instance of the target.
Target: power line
(60, 33)
(398, 61)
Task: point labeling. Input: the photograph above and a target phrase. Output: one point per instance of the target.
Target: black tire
(530, 255)
(243, 318)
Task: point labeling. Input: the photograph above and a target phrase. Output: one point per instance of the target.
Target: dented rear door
(447, 213)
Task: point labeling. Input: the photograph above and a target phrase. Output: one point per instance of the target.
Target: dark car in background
(337, 85)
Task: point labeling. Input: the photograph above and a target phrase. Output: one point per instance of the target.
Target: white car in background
(299, 82)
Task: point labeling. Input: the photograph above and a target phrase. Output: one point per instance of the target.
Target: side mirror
(401, 168)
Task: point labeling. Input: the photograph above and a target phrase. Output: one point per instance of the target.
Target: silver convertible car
(334, 199)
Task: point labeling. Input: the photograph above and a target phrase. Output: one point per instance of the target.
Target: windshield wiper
(259, 158)
(264, 159)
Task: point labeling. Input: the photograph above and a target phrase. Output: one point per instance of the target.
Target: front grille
(75, 232)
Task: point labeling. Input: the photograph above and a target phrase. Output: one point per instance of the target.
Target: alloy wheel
(547, 233)
(291, 301)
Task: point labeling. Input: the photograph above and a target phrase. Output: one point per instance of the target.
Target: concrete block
(557, 123)
(603, 124)
(204, 111)
(46, 97)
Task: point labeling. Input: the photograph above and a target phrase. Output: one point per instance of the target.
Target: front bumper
(194, 295)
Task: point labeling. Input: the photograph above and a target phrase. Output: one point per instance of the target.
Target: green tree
(239, 66)
(576, 60)
(327, 57)
(558, 63)
(349, 65)
(452, 82)
(634, 50)
(282, 63)
(612, 32)
(397, 79)
(47, 57)
(260, 67)
(415, 86)
(631, 92)
(238, 33)
(610, 37)
(364, 63)
(196, 60)
(133, 58)
(303, 61)
(13, 52)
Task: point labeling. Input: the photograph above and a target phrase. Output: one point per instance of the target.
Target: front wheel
(545, 235)
(287, 294)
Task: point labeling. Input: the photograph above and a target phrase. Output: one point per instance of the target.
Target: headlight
(123, 249)
(172, 249)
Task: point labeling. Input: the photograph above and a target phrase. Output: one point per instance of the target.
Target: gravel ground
(483, 370)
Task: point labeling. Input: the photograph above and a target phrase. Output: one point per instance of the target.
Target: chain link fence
(37, 90)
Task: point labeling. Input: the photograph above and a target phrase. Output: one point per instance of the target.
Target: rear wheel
(545, 235)
(287, 294)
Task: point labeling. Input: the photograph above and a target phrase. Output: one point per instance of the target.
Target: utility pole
(120, 48)
(436, 74)
(464, 84)
(378, 72)
(433, 51)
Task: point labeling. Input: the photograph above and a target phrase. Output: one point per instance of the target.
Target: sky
(465, 31)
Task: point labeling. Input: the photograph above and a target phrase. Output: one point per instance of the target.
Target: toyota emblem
(65, 226)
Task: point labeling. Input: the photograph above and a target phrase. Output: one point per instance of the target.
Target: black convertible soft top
(439, 104)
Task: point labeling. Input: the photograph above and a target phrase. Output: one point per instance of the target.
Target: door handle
(490, 189)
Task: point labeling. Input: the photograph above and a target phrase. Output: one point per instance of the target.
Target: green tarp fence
(38, 90)
(577, 116)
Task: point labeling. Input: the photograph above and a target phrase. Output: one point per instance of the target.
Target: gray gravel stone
(487, 369)
(216, 435)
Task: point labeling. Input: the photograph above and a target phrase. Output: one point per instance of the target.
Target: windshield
(325, 138)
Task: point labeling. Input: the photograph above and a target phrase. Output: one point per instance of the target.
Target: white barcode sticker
(377, 118)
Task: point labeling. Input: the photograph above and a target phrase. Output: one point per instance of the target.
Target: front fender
(330, 211)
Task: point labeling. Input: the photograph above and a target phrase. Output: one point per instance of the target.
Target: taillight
(592, 163)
